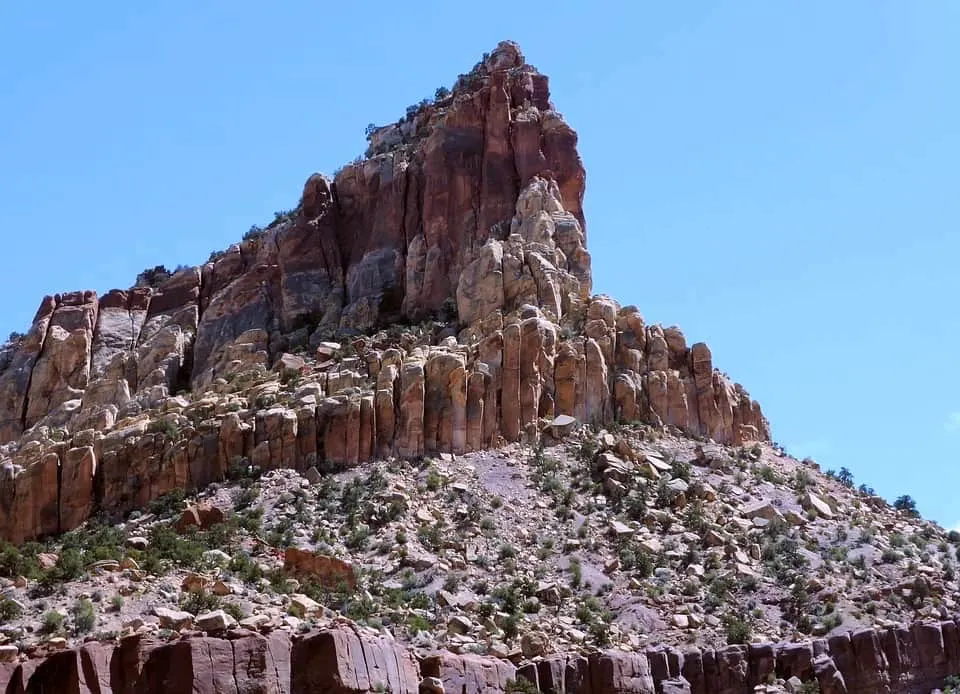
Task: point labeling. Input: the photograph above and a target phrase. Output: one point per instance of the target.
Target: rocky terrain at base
(393, 442)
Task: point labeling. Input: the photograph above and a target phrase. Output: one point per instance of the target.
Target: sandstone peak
(467, 211)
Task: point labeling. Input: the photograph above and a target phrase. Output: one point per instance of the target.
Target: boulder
(217, 620)
(200, 516)
(562, 425)
(329, 572)
(173, 619)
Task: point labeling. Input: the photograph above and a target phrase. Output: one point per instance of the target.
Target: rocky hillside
(392, 442)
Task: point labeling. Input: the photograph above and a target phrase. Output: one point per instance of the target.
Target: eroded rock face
(470, 206)
(348, 660)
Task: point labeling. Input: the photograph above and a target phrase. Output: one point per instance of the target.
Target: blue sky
(777, 178)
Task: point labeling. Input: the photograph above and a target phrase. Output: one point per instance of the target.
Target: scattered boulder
(812, 502)
(201, 516)
(214, 621)
(329, 572)
(562, 425)
(534, 644)
(138, 542)
(313, 475)
(290, 366)
(303, 606)
(761, 509)
(173, 619)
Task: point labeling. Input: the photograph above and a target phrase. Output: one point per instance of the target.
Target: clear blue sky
(777, 178)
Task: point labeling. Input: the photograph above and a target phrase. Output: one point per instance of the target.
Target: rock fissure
(45, 328)
(238, 666)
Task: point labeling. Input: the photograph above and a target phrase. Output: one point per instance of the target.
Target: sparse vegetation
(906, 504)
(83, 615)
(548, 552)
(200, 601)
(52, 622)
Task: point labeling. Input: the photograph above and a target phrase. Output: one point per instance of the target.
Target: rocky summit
(393, 442)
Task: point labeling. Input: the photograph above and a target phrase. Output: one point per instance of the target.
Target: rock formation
(468, 207)
(346, 660)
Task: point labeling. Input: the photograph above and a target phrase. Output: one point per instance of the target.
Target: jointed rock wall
(346, 660)
(471, 208)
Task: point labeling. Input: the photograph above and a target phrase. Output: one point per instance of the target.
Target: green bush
(738, 630)
(200, 601)
(83, 615)
(169, 504)
(233, 609)
(96, 542)
(169, 548)
(51, 622)
(254, 232)
(9, 610)
(20, 562)
(907, 504)
(521, 686)
(245, 568)
(69, 567)
(166, 427)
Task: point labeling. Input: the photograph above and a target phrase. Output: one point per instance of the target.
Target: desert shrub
(199, 601)
(167, 547)
(69, 567)
(768, 474)
(233, 609)
(431, 536)
(245, 568)
(907, 504)
(521, 686)
(167, 427)
(97, 542)
(9, 610)
(738, 630)
(254, 232)
(19, 562)
(153, 277)
(51, 622)
(83, 615)
(168, 504)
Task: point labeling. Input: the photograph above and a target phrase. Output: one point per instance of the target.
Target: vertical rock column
(411, 408)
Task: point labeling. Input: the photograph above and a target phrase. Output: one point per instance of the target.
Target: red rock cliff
(470, 207)
(344, 660)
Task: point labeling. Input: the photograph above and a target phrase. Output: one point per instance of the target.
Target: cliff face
(349, 661)
(468, 207)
